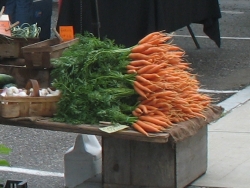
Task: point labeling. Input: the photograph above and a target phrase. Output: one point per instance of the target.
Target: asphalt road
(221, 69)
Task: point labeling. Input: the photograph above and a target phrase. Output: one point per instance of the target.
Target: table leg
(193, 36)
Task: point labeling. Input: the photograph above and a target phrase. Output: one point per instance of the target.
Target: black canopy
(127, 21)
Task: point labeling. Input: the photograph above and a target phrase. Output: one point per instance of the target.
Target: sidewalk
(229, 146)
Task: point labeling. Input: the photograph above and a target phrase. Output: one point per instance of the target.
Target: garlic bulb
(43, 92)
(53, 93)
(22, 94)
(9, 92)
(14, 89)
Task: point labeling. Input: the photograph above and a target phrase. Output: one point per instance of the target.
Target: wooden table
(130, 160)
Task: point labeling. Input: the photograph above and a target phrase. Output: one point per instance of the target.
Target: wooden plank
(64, 44)
(29, 99)
(137, 164)
(116, 161)
(191, 158)
(49, 45)
(152, 164)
(106, 185)
(46, 124)
(46, 43)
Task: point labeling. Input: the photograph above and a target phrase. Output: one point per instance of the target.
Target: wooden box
(133, 164)
(22, 74)
(38, 55)
(28, 106)
(11, 47)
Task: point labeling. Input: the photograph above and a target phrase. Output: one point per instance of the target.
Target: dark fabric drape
(128, 21)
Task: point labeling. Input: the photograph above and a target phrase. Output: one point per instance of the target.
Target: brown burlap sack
(188, 128)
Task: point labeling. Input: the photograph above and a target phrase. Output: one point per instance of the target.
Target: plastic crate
(16, 184)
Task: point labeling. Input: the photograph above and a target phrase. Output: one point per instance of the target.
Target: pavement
(229, 145)
(228, 151)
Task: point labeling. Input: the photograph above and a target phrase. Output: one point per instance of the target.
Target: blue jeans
(42, 12)
(19, 10)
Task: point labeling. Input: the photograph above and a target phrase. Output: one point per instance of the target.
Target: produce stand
(170, 152)
(174, 158)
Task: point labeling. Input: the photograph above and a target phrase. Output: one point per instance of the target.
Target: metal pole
(193, 36)
(98, 19)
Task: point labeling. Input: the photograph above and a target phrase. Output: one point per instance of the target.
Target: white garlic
(9, 92)
(14, 89)
(22, 94)
(54, 93)
(43, 92)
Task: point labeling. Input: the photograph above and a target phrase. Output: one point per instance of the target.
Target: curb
(236, 100)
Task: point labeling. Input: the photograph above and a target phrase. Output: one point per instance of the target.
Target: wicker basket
(35, 105)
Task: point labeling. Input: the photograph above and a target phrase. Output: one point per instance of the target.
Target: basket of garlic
(30, 101)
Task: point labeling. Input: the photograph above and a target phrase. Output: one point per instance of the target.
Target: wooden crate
(133, 164)
(38, 55)
(28, 106)
(12, 47)
(22, 74)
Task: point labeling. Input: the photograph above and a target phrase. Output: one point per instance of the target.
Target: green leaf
(4, 162)
(91, 75)
(4, 149)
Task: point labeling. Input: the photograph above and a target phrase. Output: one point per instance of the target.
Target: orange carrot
(165, 93)
(150, 36)
(178, 53)
(140, 92)
(136, 114)
(139, 129)
(170, 47)
(153, 120)
(138, 110)
(140, 86)
(152, 50)
(145, 69)
(130, 67)
(160, 40)
(150, 76)
(154, 69)
(141, 47)
(137, 56)
(155, 88)
(131, 71)
(141, 79)
(149, 107)
(156, 126)
(150, 102)
(143, 108)
(140, 62)
(158, 112)
(147, 127)
(173, 61)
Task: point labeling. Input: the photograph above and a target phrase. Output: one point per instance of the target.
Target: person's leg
(24, 11)
(10, 7)
(42, 11)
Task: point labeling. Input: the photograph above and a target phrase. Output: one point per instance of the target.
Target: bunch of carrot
(167, 88)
